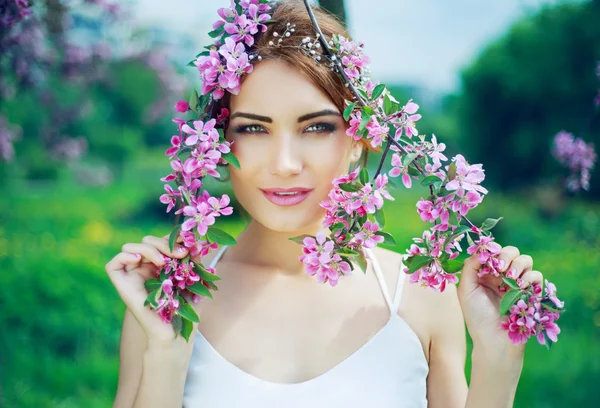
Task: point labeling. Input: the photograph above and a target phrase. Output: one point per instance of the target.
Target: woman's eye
(249, 129)
(321, 128)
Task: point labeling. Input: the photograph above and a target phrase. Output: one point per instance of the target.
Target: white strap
(216, 258)
(399, 287)
(379, 275)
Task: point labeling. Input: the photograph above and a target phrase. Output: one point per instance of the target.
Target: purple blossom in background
(7, 137)
(577, 156)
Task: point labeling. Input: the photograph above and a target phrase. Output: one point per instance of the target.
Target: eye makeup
(318, 128)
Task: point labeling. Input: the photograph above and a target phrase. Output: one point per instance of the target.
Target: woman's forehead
(276, 87)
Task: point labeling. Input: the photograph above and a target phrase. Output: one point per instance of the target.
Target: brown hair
(294, 12)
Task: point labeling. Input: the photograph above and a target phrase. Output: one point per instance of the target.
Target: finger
(507, 254)
(149, 253)
(162, 245)
(522, 264)
(469, 281)
(533, 277)
(122, 260)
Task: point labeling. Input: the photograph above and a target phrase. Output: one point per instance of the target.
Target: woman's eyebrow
(325, 112)
(308, 116)
(251, 116)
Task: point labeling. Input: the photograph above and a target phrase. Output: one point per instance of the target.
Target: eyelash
(326, 128)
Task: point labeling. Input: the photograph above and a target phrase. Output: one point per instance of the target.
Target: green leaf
(219, 236)
(388, 107)
(200, 290)
(549, 305)
(151, 299)
(300, 238)
(203, 54)
(392, 184)
(380, 217)
(173, 237)
(187, 312)
(191, 63)
(194, 101)
(453, 218)
(388, 239)
(470, 240)
(364, 175)
(490, 223)
(417, 262)
(217, 32)
(429, 180)
(413, 171)
(511, 283)
(231, 159)
(204, 274)
(346, 252)
(153, 284)
(348, 111)
(377, 91)
(452, 265)
(509, 299)
(452, 171)
(361, 261)
(364, 121)
(186, 329)
(351, 188)
(177, 323)
(408, 158)
(548, 342)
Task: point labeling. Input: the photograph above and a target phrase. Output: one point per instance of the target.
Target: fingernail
(181, 249)
(137, 255)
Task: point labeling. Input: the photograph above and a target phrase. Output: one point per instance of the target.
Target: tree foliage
(524, 88)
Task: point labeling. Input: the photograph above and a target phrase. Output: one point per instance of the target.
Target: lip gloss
(286, 200)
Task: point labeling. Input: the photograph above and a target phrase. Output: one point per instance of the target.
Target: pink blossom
(201, 131)
(436, 154)
(176, 145)
(355, 119)
(201, 218)
(550, 290)
(377, 132)
(185, 275)
(220, 207)
(466, 201)
(367, 237)
(427, 211)
(182, 106)
(485, 247)
(467, 176)
(170, 197)
(399, 169)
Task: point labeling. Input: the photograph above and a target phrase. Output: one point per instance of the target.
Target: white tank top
(388, 371)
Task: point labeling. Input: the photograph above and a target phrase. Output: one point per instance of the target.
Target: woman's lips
(294, 196)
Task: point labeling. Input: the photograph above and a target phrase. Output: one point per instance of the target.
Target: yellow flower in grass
(97, 232)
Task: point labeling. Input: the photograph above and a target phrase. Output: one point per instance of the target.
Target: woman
(271, 337)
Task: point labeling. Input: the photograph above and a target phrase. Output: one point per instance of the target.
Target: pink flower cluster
(577, 156)
(181, 276)
(487, 253)
(534, 315)
(320, 259)
(433, 274)
(222, 67)
(365, 199)
(15, 12)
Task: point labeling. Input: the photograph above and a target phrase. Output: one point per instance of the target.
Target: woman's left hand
(480, 300)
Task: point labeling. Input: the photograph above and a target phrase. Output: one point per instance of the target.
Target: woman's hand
(128, 271)
(480, 301)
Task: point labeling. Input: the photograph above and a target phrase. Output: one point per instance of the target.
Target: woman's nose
(286, 158)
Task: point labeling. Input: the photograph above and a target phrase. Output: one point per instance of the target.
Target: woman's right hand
(128, 271)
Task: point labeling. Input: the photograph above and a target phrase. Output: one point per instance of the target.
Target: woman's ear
(357, 149)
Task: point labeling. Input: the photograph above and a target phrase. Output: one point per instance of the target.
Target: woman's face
(287, 135)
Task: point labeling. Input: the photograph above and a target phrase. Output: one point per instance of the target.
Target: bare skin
(272, 320)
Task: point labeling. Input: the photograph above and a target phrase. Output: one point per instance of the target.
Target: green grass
(61, 317)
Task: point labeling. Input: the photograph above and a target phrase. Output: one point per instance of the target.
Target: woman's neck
(260, 246)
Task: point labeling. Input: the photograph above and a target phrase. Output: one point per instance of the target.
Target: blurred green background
(83, 129)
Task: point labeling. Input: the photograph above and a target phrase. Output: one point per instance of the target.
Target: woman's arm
(494, 373)
(163, 377)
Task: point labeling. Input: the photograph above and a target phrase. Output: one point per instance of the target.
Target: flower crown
(354, 209)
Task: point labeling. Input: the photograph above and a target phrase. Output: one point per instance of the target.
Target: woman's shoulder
(428, 312)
